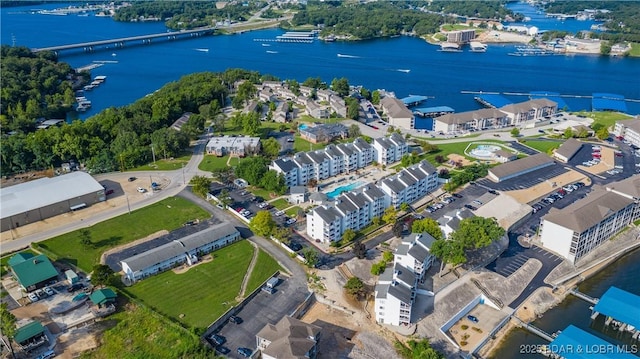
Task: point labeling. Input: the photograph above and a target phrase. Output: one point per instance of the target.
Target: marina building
(390, 149)
(630, 130)
(177, 252)
(32, 272)
(397, 113)
(519, 167)
(574, 231)
(239, 146)
(44, 198)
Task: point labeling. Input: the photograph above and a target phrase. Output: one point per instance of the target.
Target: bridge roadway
(121, 41)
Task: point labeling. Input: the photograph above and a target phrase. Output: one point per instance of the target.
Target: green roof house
(102, 297)
(30, 336)
(32, 272)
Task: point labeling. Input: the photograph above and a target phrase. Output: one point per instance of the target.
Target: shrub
(477, 329)
(463, 343)
(464, 327)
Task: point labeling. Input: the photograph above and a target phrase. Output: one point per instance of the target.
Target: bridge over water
(120, 42)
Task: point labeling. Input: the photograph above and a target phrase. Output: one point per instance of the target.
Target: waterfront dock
(585, 297)
(535, 330)
(621, 308)
(574, 342)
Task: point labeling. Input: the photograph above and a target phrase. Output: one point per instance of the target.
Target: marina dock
(621, 308)
(585, 297)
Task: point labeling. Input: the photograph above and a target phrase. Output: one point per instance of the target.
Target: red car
(619, 154)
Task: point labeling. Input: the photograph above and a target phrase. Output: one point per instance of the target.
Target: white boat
(449, 47)
(477, 46)
(406, 71)
(88, 87)
(101, 78)
(203, 50)
(271, 52)
(266, 45)
(348, 56)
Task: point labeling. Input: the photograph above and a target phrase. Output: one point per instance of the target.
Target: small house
(30, 336)
(31, 271)
(71, 277)
(298, 194)
(103, 297)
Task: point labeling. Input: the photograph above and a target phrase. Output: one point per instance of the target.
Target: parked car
(295, 246)
(457, 195)
(290, 140)
(493, 191)
(49, 291)
(279, 213)
(291, 221)
(47, 355)
(268, 289)
(470, 207)
(33, 297)
(217, 339)
(245, 352)
(75, 287)
(472, 318)
(141, 190)
(223, 350)
(131, 179)
(234, 319)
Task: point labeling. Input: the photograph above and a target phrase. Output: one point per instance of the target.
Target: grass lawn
(453, 27)
(543, 146)
(635, 49)
(201, 294)
(169, 214)
(261, 192)
(211, 163)
(302, 145)
(280, 203)
(264, 268)
(446, 149)
(605, 118)
(138, 333)
(165, 165)
(293, 211)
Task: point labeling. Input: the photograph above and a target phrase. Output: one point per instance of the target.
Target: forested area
(180, 15)
(622, 22)
(33, 86)
(121, 138)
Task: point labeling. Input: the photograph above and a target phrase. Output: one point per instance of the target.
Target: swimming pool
(303, 126)
(484, 151)
(336, 192)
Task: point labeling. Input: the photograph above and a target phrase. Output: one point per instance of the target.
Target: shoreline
(529, 313)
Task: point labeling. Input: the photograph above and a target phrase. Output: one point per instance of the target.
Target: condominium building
(390, 149)
(233, 145)
(415, 253)
(397, 113)
(630, 130)
(356, 209)
(289, 338)
(531, 110)
(574, 231)
(461, 36)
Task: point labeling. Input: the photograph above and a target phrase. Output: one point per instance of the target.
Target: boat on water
(477, 46)
(271, 52)
(88, 87)
(348, 56)
(266, 45)
(202, 50)
(406, 71)
(450, 47)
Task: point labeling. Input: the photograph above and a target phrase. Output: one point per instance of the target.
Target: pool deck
(367, 175)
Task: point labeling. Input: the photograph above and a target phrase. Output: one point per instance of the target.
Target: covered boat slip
(621, 306)
(575, 343)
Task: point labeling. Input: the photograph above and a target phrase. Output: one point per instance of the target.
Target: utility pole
(153, 153)
(183, 178)
(128, 206)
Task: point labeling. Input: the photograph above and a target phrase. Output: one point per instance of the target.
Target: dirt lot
(458, 158)
(606, 162)
(542, 189)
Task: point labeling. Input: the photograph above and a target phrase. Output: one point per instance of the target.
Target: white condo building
(630, 130)
(390, 149)
(334, 160)
(577, 229)
(356, 209)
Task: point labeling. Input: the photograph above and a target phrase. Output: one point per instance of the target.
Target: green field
(302, 145)
(201, 294)
(211, 163)
(543, 146)
(164, 165)
(168, 214)
(138, 333)
(446, 149)
(635, 49)
(605, 118)
(280, 203)
(293, 211)
(264, 268)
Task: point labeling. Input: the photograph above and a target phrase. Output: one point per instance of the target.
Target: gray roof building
(289, 338)
(567, 150)
(519, 167)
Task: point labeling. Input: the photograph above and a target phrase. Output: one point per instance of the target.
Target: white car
(33, 297)
(279, 213)
(141, 190)
(49, 291)
(291, 221)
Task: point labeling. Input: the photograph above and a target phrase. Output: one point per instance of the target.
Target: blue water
(543, 23)
(303, 126)
(336, 192)
(375, 64)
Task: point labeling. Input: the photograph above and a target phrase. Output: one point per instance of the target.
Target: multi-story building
(410, 184)
(574, 231)
(313, 109)
(630, 130)
(461, 36)
(289, 338)
(450, 222)
(288, 168)
(397, 113)
(394, 298)
(528, 111)
(356, 209)
(478, 120)
(390, 149)
(338, 105)
(235, 146)
(324, 133)
(415, 253)
(281, 112)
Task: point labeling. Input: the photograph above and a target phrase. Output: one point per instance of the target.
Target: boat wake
(349, 56)
(202, 50)
(271, 52)
(266, 45)
(406, 71)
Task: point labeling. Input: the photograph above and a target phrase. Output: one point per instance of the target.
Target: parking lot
(527, 180)
(469, 194)
(263, 309)
(523, 149)
(285, 139)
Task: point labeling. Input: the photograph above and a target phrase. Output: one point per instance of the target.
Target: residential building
(519, 167)
(390, 149)
(397, 113)
(394, 297)
(576, 230)
(414, 253)
(285, 94)
(338, 105)
(461, 36)
(288, 168)
(32, 271)
(239, 146)
(306, 91)
(315, 110)
(324, 133)
(177, 252)
(266, 95)
(297, 194)
(567, 150)
(273, 85)
(630, 130)
(44, 198)
(290, 338)
(477, 120)
(325, 95)
(450, 222)
(281, 112)
(504, 156)
(528, 111)
(410, 184)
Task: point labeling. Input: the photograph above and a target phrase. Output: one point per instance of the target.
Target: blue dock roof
(435, 109)
(608, 102)
(553, 96)
(414, 99)
(575, 343)
(494, 100)
(620, 305)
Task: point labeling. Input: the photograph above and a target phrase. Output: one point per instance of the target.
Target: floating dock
(413, 100)
(575, 343)
(620, 306)
(492, 100)
(608, 102)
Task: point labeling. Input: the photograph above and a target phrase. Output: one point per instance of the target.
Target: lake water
(404, 65)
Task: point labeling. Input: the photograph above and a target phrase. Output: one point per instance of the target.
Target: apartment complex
(630, 130)
(397, 113)
(461, 36)
(334, 160)
(233, 145)
(356, 209)
(574, 231)
(289, 338)
(396, 290)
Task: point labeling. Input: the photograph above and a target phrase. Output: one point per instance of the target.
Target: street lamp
(128, 205)
(184, 181)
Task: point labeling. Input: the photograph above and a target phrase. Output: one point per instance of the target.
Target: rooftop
(569, 148)
(620, 305)
(395, 108)
(229, 141)
(290, 338)
(464, 117)
(580, 340)
(523, 164)
(33, 270)
(101, 296)
(28, 196)
(28, 331)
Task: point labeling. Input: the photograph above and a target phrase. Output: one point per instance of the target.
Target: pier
(120, 42)
(535, 330)
(584, 297)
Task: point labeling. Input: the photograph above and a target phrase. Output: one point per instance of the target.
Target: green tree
(354, 131)
(102, 275)
(404, 206)
(427, 225)
(355, 287)
(582, 132)
(602, 133)
(283, 234)
(341, 86)
(251, 123)
(85, 237)
(311, 257)
(375, 97)
(353, 108)
(273, 181)
(270, 148)
(390, 214)
(605, 48)
(262, 224)
(477, 232)
(359, 249)
(515, 132)
(252, 169)
(568, 132)
(417, 350)
(387, 256)
(225, 198)
(448, 252)
(378, 268)
(8, 326)
(348, 236)
(200, 185)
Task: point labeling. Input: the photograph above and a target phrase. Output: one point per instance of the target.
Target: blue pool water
(303, 126)
(336, 192)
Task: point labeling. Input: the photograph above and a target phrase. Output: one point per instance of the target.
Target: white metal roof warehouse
(47, 197)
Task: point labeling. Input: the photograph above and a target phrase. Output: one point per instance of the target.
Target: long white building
(630, 130)
(334, 160)
(356, 209)
(574, 231)
(185, 250)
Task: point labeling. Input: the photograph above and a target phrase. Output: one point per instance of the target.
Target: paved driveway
(527, 180)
